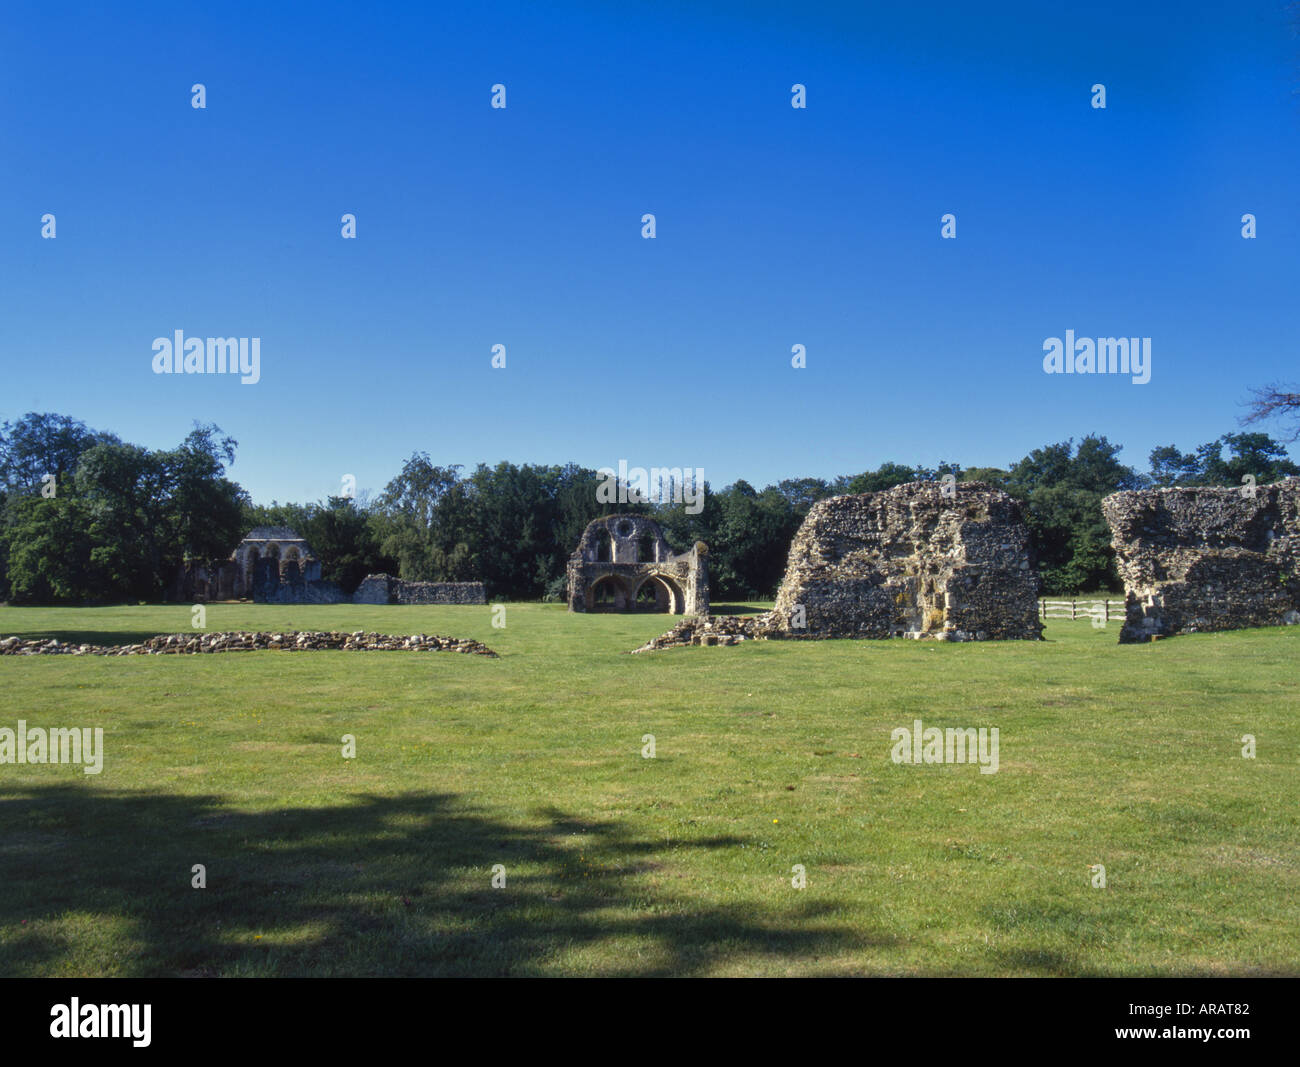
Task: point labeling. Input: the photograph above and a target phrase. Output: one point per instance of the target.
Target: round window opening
(624, 529)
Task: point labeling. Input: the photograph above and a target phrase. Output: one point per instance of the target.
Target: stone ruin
(623, 563)
(274, 565)
(948, 562)
(1206, 558)
(924, 559)
(268, 558)
(385, 589)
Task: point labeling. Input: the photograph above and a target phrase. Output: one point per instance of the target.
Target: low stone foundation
(1206, 558)
(385, 589)
(244, 641)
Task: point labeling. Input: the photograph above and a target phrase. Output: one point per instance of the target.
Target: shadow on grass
(372, 886)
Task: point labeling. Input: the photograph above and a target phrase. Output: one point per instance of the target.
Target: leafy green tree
(1255, 455)
(1170, 467)
(48, 546)
(1062, 487)
(886, 476)
(43, 443)
(994, 476)
(124, 521)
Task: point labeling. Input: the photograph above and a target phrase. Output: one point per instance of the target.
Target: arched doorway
(250, 570)
(659, 593)
(608, 593)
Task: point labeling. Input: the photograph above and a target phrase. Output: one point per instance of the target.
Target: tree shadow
(397, 886)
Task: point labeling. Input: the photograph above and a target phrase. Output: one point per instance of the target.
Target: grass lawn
(768, 755)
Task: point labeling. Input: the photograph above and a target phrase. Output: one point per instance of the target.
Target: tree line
(88, 518)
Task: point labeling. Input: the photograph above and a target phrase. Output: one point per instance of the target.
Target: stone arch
(669, 598)
(609, 592)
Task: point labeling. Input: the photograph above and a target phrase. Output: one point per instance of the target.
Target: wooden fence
(1081, 609)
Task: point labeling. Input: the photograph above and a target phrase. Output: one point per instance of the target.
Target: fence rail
(1081, 609)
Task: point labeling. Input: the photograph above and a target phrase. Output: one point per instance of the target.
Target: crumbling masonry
(925, 560)
(1202, 559)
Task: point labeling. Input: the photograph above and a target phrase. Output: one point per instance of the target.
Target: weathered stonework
(623, 563)
(385, 589)
(920, 560)
(1206, 558)
(717, 630)
(924, 559)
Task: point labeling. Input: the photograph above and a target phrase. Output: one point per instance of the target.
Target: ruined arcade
(623, 563)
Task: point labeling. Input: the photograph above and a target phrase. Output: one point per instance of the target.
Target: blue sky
(775, 226)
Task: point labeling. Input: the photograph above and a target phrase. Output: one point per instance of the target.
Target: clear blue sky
(522, 227)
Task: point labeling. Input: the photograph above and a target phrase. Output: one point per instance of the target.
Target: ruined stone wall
(1206, 558)
(919, 560)
(385, 589)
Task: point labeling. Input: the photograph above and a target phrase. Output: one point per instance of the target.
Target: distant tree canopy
(121, 520)
(1250, 455)
(87, 518)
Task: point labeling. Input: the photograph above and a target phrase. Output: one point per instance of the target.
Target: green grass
(768, 755)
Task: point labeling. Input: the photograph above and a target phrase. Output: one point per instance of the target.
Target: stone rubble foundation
(718, 630)
(247, 641)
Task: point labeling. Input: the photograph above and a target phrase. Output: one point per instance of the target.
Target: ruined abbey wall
(923, 559)
(1202, 559)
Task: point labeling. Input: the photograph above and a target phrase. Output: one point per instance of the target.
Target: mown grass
(768, 755)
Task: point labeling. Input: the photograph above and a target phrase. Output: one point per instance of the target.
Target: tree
(41, 444)
(1251, 455)
(1062, 487)
(1274, 402)
(48, 548)
(886, 476)
(123, 520)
